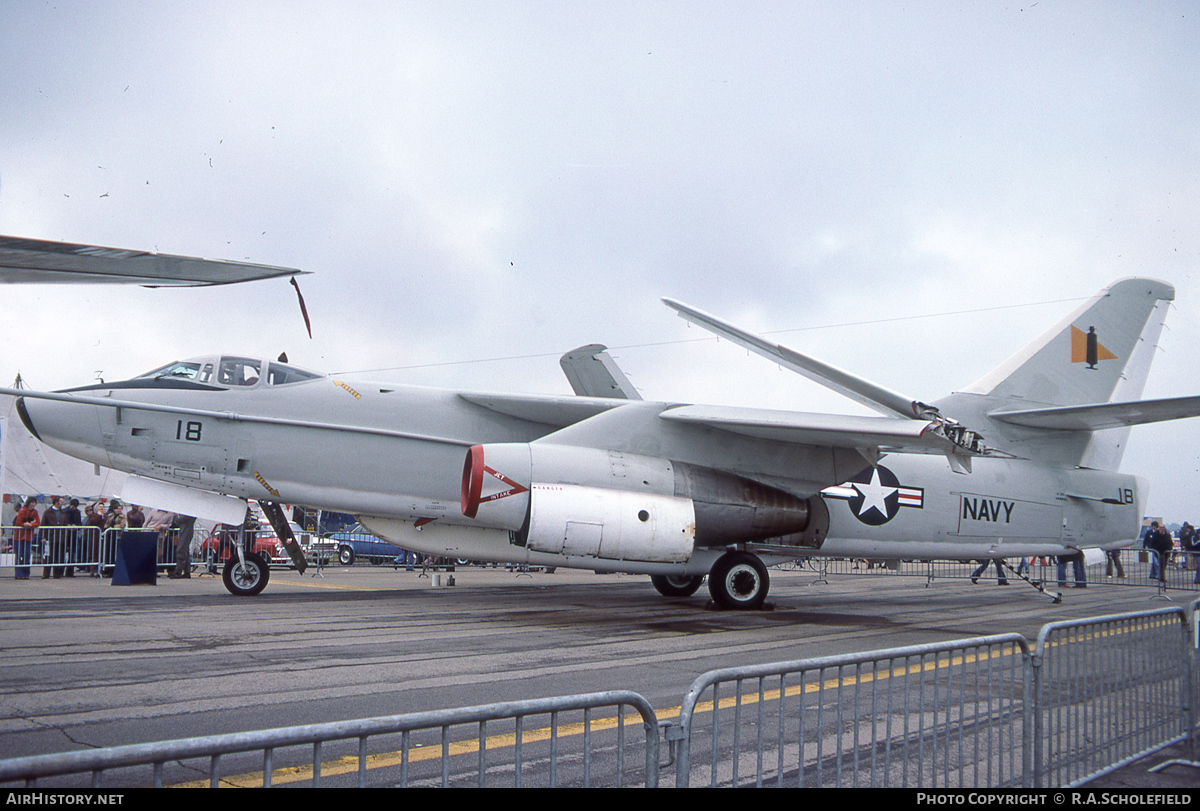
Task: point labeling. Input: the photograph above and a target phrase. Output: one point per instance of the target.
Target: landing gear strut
(739, 580)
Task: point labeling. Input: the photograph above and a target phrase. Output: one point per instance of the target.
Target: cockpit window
(179, 370)
(279, 374)
(239, 371)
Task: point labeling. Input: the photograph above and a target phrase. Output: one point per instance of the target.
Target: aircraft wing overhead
(872, 395)
(943, 434)
(36, 261)
(829, 430)
(1103, 415)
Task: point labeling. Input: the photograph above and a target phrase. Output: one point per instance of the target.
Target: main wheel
(345, 556)
(739, 580)
(669, 585)
(246, 579)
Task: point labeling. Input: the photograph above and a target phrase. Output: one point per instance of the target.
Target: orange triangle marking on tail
(1079, 347)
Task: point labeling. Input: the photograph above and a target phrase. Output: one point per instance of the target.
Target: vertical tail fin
(1100, 353)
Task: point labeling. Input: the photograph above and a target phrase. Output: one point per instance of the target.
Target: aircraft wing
(36, 261)
(957, 441)
(827, 430)
(861, 390)
(1102, 415)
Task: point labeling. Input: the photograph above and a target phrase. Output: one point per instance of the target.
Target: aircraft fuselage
(394, 455)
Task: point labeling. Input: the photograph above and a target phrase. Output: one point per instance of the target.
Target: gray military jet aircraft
(1022, 462)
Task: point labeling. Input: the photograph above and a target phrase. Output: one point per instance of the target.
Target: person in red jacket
(27, 521)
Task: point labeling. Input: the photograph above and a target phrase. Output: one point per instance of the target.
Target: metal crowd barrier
(61, 551)
(1137, 568)
(418, 760)
(76, 551)
(1093, 696)
(1111, 690)
(940, 715)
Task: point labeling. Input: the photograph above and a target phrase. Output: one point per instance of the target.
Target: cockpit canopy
(231, 370)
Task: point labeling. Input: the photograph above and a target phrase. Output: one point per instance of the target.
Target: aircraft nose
(23, 413)
(73, 428)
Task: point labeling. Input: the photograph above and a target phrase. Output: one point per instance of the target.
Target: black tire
(246, 579)
(376, 561)
(676, 585)
(739, 581)
(345, 555)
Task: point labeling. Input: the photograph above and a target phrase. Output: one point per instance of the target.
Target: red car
(218, 546)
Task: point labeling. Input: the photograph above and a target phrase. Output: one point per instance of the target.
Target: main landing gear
(676, 586)
(737, 581)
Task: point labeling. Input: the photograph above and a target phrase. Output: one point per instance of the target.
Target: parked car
(218, 546)
(359, 544)
(318, 550)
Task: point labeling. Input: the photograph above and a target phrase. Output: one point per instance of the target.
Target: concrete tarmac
(87, 664)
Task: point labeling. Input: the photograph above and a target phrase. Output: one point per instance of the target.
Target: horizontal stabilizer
(863, 391)
(37, 261)
(1098, 416)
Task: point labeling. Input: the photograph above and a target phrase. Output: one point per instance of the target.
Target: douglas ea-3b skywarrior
(1022, 462)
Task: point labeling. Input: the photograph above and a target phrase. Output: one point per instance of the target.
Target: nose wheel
(245, 578)
(739, 581)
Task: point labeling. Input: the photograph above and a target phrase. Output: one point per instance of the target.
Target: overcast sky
(472, 181)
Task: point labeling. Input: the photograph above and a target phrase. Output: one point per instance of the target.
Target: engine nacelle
(624, 506)
(568, 519)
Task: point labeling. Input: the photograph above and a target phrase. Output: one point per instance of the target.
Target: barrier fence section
(90, 551)
(1133, 567)
(428, 745)
(939, 715)
(1111, 690)
(72, 551)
